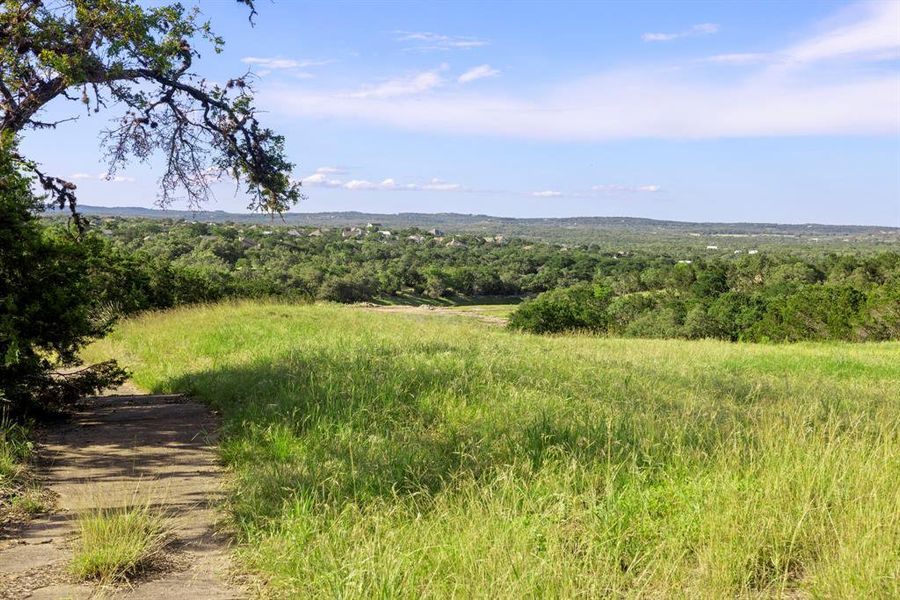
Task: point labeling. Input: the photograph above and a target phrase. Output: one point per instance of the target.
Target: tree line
(768, 296)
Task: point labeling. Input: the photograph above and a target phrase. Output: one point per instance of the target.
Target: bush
(579, 307)
(48, 302)
(347, 289)
(817, 312)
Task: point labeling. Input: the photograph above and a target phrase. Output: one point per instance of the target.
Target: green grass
(15, 448)
(116, 544)
(20, 496)
(402, 455)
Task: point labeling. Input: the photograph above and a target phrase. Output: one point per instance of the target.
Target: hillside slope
(403, 455)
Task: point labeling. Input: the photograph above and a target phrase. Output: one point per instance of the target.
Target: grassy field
(402, 455)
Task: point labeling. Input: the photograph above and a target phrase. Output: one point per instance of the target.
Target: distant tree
(103, 54)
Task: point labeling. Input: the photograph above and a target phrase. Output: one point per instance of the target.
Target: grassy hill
(404, 455)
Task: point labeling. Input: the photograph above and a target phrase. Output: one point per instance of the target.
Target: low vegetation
(20, 495)
(117, 544)
(710, 308)
(401, 455)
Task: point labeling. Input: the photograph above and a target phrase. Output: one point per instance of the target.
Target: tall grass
(395, 455)
(15, 449)
(115, 544)
(20, 495)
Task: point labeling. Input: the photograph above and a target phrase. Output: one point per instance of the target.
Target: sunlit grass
(19, 494)
(116, 544)
(402, 455)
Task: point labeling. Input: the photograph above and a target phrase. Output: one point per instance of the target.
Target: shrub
(347, 288)
(582, 306)
(48, 304)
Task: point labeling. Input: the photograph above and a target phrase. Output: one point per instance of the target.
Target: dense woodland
(745, 294)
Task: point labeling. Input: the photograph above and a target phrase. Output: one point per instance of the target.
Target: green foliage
(120, 52)
(48, 308)
(15, 450)
(777, 296)
(579, 307)
(786, 300)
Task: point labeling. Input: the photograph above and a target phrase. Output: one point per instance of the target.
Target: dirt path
(427, 309)
(157, 448)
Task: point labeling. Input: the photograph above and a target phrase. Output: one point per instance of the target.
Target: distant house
(685, 262)
(247, 243)
(753, 252)
(455, 243)
(294, 233)
(315, 233)
(267, 232)
(418, 239)
(436, 232)
(373, 226)
(712, 247)
(386, 234)
(351, 232)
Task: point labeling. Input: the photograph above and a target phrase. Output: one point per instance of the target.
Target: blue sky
(704, 111)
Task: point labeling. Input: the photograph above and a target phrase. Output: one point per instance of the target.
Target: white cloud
(823, 92)
(741, 58)
(864, 32)
(438, 185)
(425, 41)
(630, 104)
(283, 63)
(288, 66)
(479, 72)
(103, 177)
(546, 194)
(321, 179)
(360, 184)
(404, 86)
(613, 188)
(872, 33)
(696, 30)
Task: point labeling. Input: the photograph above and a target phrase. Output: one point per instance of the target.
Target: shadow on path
(113, 452)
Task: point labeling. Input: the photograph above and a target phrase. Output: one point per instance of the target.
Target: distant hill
(568, 229)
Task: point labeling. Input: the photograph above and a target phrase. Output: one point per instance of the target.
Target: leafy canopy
(106, 53)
